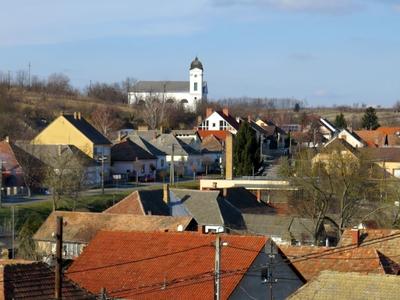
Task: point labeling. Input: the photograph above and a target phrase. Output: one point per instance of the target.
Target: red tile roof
(220, 134)
(378, 252)
(388, 130)
(162, 265)
(310, 261)
(129, 205)
(36, 281)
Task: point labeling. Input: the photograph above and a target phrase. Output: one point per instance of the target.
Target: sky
(327, 52)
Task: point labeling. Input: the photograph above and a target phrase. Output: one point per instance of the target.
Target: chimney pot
(209, 111)
(355, 234)
(166, 197)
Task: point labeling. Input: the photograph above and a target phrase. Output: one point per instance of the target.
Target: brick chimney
(229, 157)
(355, 236)
(166, 198)
(259, 195)
(75, 115)
(209, 111)
(79, 115)
(225, 111)
(224, 192)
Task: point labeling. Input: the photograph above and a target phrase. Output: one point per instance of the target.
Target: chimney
(225, 111)
(229, 157)
(200, 228)
(259, 195)
(7, 139)
(355, 236)
(79, 115)
(209, 111)
(249, 118)
(75, 115)
(225, 192)
(166, 198)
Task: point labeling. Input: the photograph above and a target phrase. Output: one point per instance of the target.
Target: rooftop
(163, 265)
(349, 286)
(83, 226)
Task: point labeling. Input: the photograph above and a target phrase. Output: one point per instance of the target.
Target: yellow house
(75, 130)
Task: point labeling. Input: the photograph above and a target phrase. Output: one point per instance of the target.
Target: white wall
(142, 166)
(213, 123)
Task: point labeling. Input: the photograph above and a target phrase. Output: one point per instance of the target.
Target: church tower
(196, 81)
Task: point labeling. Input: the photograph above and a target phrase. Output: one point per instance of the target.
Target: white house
(219, 120)
(189, 93)
(352, 138)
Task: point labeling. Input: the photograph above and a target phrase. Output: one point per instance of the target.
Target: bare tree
(104, 119)
(331, 184)
(153, 108)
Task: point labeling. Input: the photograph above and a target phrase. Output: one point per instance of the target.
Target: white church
(189, 93)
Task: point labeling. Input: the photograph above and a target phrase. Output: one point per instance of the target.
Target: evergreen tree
(296, 107)
(340, 121)
(370, 119)
(246, 151)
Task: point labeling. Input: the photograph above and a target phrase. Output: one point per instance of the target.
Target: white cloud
(321, 6)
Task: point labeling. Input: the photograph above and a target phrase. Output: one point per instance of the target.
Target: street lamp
(102, 159)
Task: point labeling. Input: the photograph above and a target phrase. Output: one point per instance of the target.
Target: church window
(195, 86)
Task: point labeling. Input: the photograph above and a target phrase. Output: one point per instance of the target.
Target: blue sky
(325, 51)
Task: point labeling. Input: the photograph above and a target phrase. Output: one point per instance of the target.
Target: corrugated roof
(349, 286)
(163, 265)
(87, 129)
(36, 281)
(82, 226)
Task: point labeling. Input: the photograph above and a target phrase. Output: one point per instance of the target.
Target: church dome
(196, 63)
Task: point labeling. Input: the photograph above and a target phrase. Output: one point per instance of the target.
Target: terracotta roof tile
(220, 134)
(162, 265)
(83, 226)
(310, 261)
(36, 281)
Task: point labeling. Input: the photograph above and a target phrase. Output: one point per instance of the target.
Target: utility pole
(217, 282)
(172, 168)
(268, 277)
(58, 269)
(12, 231)
(102, 175)
(1, 181)
(29, 75)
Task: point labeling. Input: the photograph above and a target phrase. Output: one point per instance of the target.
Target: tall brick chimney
(355, 236)
(229, 157)
(166, 198)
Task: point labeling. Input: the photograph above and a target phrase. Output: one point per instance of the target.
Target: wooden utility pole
(58, 269)
(172, 168)
(217, 282)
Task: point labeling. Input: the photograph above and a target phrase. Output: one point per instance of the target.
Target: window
(213, 124)
(195, 86)
(162, 163)
(221, 124)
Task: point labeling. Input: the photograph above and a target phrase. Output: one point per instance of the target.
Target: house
(57, 156)
(202, 206)
(167, 265)
(75, 130)
(36, 280)
(80, 227)
(219, 121)
(20, 171)
(381, 247)
(327, 129)
(386, 158)
(349, 286)
(131, 160)
(187, 160)
(189, 93)
(351, 137)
